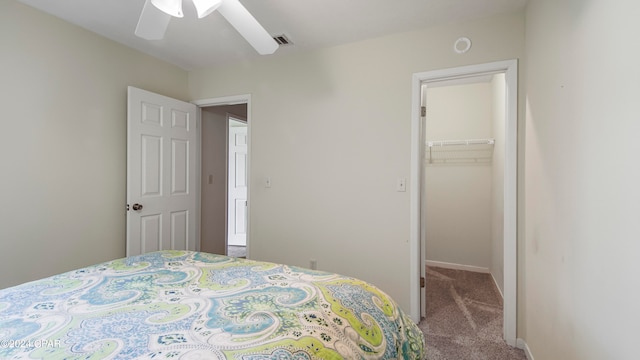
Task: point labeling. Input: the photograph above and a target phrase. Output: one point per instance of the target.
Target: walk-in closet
(463, 174)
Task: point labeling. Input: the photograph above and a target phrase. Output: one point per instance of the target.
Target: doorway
(220, 219)
(418, 209)
(463, 172)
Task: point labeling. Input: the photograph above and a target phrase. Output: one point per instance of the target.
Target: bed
(194, 305)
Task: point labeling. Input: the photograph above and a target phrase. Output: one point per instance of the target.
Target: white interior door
(161, 173)
(237, 202)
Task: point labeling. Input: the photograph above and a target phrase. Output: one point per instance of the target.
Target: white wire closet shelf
(459, 151)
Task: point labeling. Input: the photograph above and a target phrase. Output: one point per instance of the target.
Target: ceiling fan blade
(153, 22)
(206, 7)
(242, 20)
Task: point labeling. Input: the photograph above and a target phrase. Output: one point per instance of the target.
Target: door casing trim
(510, 69)
(219, 101)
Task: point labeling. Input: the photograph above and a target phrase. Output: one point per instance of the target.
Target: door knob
(137, 207)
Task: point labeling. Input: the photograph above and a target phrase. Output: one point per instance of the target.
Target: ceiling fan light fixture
(152, 23)
(171, 7)
(206, 7)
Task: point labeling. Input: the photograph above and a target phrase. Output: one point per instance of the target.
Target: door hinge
(423, 111)
(422, 282)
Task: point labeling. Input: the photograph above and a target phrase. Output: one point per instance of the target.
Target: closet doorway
(463, 174)
(464, 171)
(224, 158)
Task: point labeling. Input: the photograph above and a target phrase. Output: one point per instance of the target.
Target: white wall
(214, 195)
(582, 176)
(458, 192)
(63, 142)
(332, 130)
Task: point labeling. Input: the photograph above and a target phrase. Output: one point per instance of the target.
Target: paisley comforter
(192, 305)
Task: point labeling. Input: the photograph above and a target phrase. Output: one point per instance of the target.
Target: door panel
(179, 167)
(151, 114)
(241, 170)
(179, 229)
(151, 232)
(161, 148)
(180, 119)
(240, 227)
(151, 168)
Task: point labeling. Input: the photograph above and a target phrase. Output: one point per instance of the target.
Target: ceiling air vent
(282, 40)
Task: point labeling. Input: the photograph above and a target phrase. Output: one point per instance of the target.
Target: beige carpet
(464, 318)
(237, 251)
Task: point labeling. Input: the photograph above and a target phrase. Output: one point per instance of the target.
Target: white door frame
(510, 69)
(219, 101)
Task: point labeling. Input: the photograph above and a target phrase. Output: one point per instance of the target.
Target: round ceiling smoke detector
(462, 45)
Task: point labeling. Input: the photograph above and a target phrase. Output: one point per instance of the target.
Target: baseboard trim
(496, 284)
(521, 344)
(453, 266)
(477, 269)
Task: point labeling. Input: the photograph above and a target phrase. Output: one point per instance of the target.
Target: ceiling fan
(156, 15)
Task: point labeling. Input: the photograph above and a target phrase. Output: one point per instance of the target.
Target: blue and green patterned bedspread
(192, 305)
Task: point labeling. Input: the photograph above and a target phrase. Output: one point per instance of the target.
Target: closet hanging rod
(461, 142)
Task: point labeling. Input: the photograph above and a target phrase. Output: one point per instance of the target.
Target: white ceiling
(192, 43)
